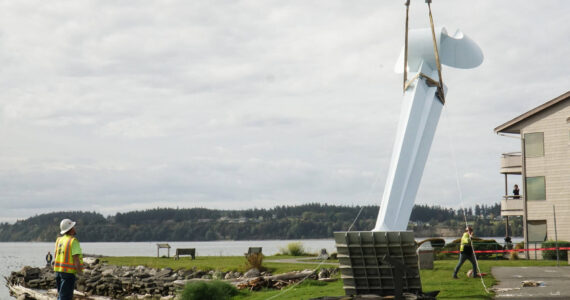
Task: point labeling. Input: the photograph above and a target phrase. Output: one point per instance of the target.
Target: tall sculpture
(422, 103)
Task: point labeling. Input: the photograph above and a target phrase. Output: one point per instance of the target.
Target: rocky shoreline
(124, 282)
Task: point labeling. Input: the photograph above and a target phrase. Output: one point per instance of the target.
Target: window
(535, 188)
(534, 144)
(536, 231)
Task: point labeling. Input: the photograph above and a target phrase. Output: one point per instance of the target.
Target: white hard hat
(66, 225)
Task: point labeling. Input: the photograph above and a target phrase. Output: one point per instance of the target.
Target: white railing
(511, 160)
(512, 205)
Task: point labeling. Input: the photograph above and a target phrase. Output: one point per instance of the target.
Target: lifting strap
(430, 81)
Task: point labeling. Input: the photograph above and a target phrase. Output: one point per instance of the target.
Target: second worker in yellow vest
(466, 252)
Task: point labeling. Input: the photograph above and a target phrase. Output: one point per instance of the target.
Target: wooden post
(556, 237)
(506, 186)
(524, 198)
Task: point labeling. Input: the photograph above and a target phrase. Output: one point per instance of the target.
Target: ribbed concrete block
(363, 269)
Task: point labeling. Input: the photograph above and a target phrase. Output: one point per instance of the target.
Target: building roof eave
(510, 126)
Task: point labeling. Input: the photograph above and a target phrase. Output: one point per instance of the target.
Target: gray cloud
(114, 106)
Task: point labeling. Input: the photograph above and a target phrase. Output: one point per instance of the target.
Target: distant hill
(282, 222)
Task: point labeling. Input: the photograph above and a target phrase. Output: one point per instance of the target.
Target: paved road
(556, 282)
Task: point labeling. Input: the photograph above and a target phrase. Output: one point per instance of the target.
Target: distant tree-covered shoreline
(307, 221)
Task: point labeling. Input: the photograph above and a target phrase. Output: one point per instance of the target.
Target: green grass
(306, 290)
(437, 279)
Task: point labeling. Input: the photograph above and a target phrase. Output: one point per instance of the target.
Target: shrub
(294, 249)
(214, 290)
(435, 242)
(481, 244)
(551, 254)
(254, 261)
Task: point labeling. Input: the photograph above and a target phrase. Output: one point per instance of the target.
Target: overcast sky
(112, 106)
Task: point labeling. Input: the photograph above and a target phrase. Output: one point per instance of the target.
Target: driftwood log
(275, 281)
(21, 292)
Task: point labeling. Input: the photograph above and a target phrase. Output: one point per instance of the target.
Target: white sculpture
(421, 108)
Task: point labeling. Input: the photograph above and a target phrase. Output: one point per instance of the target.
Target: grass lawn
(437, 279)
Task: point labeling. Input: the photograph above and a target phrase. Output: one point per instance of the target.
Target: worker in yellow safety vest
(466, 252)
(68, 260)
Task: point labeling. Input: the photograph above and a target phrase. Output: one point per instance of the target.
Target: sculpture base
(383, 263)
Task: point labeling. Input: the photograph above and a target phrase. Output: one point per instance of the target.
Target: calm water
(14, 256)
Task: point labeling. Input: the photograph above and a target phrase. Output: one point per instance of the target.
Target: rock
(34, 283)
(31, 273)
(180, 283)
(164, 273)
(90, 261)
(218, 275)
(198, 274)
(93, 279)
(103, 280)
(143, 275)
(140, 268)
(252, 273)
(323, 273)
(532, 283)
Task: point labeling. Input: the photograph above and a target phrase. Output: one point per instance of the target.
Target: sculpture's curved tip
(459, 51)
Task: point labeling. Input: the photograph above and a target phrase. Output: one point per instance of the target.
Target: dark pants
(462, 258)
(65, 284)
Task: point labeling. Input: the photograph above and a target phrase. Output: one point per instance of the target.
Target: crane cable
(458, 183)
(430, 81)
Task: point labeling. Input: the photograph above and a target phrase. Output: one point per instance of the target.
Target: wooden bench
(185, 251)
(159, 246)
(253, 250)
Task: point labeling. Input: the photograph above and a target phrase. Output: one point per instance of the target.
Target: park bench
(160, 246)
(185, 251)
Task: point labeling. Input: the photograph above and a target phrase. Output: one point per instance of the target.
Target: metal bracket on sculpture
(429, 81)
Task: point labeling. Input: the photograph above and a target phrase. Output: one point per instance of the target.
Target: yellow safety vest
(465, 240)
(63, 258)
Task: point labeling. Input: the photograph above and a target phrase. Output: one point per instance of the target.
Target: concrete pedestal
(380, 263)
